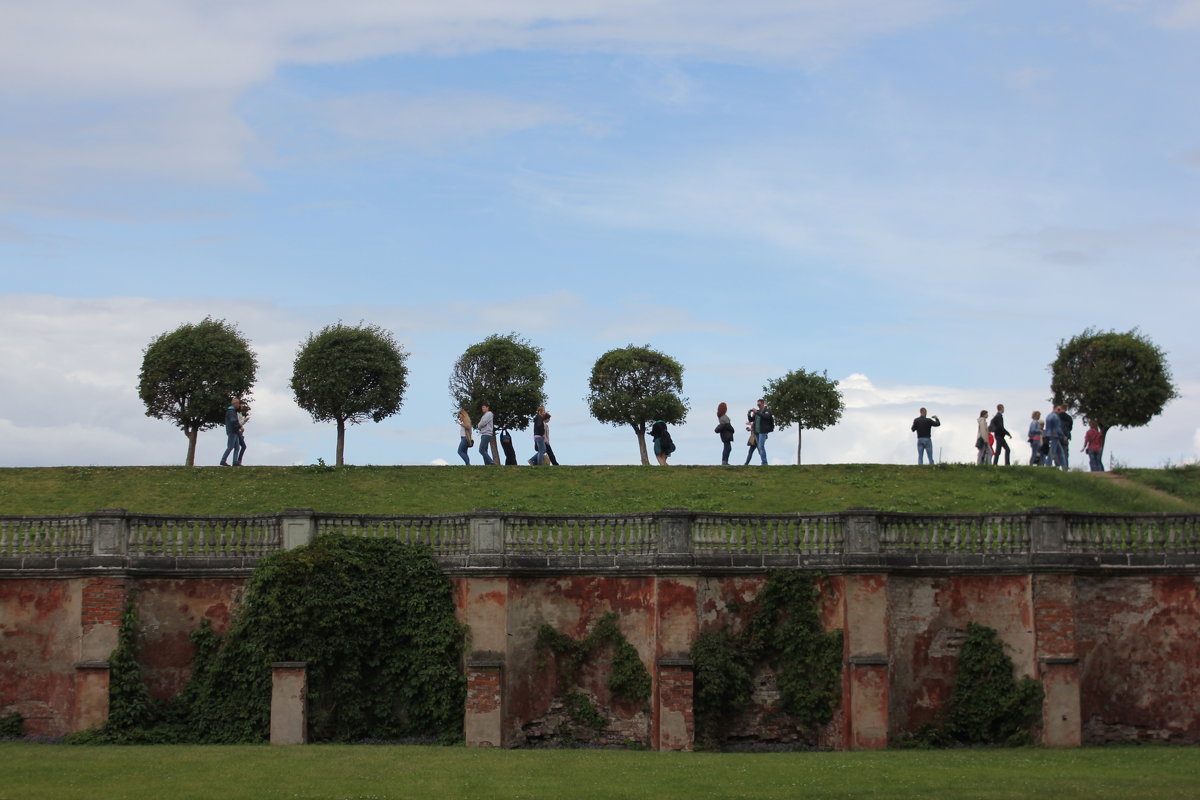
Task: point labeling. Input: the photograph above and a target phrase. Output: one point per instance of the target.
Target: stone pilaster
(289, 702)
(483, 723)
(869, 680)
(675, 726)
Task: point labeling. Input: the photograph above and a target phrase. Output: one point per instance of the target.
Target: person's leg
(550, 455)
(463, 449)
(924, 448)
(540, 441)
(1034, 446)
(231, 446)
(762, 447)
(750, 454)
(1096, 463)
(485, 448)
(241, 451)
(728, 446)
(1001, 444)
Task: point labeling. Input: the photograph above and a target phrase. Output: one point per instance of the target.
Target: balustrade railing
(600, 534)
(1132, 533)
(953, 533)
(448, 534)
(767, 534)
(672, 532)
(46, 536)
(202, 536)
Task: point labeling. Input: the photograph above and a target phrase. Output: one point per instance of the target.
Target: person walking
(464, 436)
(549, 446)
(1054, 432)
(1001, 433)
(663, 445)
(233, 432)
(1067, 424)
(243, 418)
(983, 449)
(725, 430)
(764, 424)
(1093, 445)
(924, 426)
(539, 437)
(487, 430)
(1035, 439)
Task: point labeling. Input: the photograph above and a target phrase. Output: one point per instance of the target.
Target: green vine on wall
(988, 705)
(785, 633)
(11, 725)
(627, 679)
(374, 621)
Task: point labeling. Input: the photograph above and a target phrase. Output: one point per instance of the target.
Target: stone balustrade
(488, 539)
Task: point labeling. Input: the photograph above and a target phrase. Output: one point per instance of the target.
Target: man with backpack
(764, 423)
(997, 429)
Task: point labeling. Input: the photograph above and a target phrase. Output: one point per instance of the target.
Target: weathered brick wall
(103, 601)
(572, 605)
(1137, 676)
(1140, 658)
(39, 647)
(170, 610)
(929, 616)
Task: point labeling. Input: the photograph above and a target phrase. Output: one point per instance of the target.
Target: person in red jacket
(1093, 445)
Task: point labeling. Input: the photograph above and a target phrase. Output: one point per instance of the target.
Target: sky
(919, 198)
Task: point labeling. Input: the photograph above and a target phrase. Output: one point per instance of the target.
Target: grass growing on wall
(42, 772)
(580, 490)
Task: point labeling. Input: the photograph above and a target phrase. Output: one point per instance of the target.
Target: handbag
(753, 441)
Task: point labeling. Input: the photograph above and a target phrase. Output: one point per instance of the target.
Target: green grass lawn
(330, 772)
(579, 490)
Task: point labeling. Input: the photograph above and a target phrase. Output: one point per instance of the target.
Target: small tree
(635, 386)
(806, 400)
(506, 373)
(189, 374)
(348, 375)
(1117, 379)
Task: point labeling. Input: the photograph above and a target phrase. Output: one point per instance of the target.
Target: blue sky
(921, 198)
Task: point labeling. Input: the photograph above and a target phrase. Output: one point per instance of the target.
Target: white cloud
(442, 120)
(147, 89)
(127, 47)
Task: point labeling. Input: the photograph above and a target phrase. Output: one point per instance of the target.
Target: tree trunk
(341, 442)
(799, 442)
(191, 433)
(496, 450)
(641, 437)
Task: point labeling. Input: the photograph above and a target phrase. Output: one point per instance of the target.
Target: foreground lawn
(580, 490)
(34, 772)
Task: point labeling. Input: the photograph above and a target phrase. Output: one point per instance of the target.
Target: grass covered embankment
(599, 489)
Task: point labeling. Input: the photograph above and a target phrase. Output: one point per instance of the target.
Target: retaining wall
(1102, 608)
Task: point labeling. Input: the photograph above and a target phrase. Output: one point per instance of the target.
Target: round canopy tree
(189, 374)
(1120, 380)
(635, 386)
(806, 400)
(349, 374)
(506, 373)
